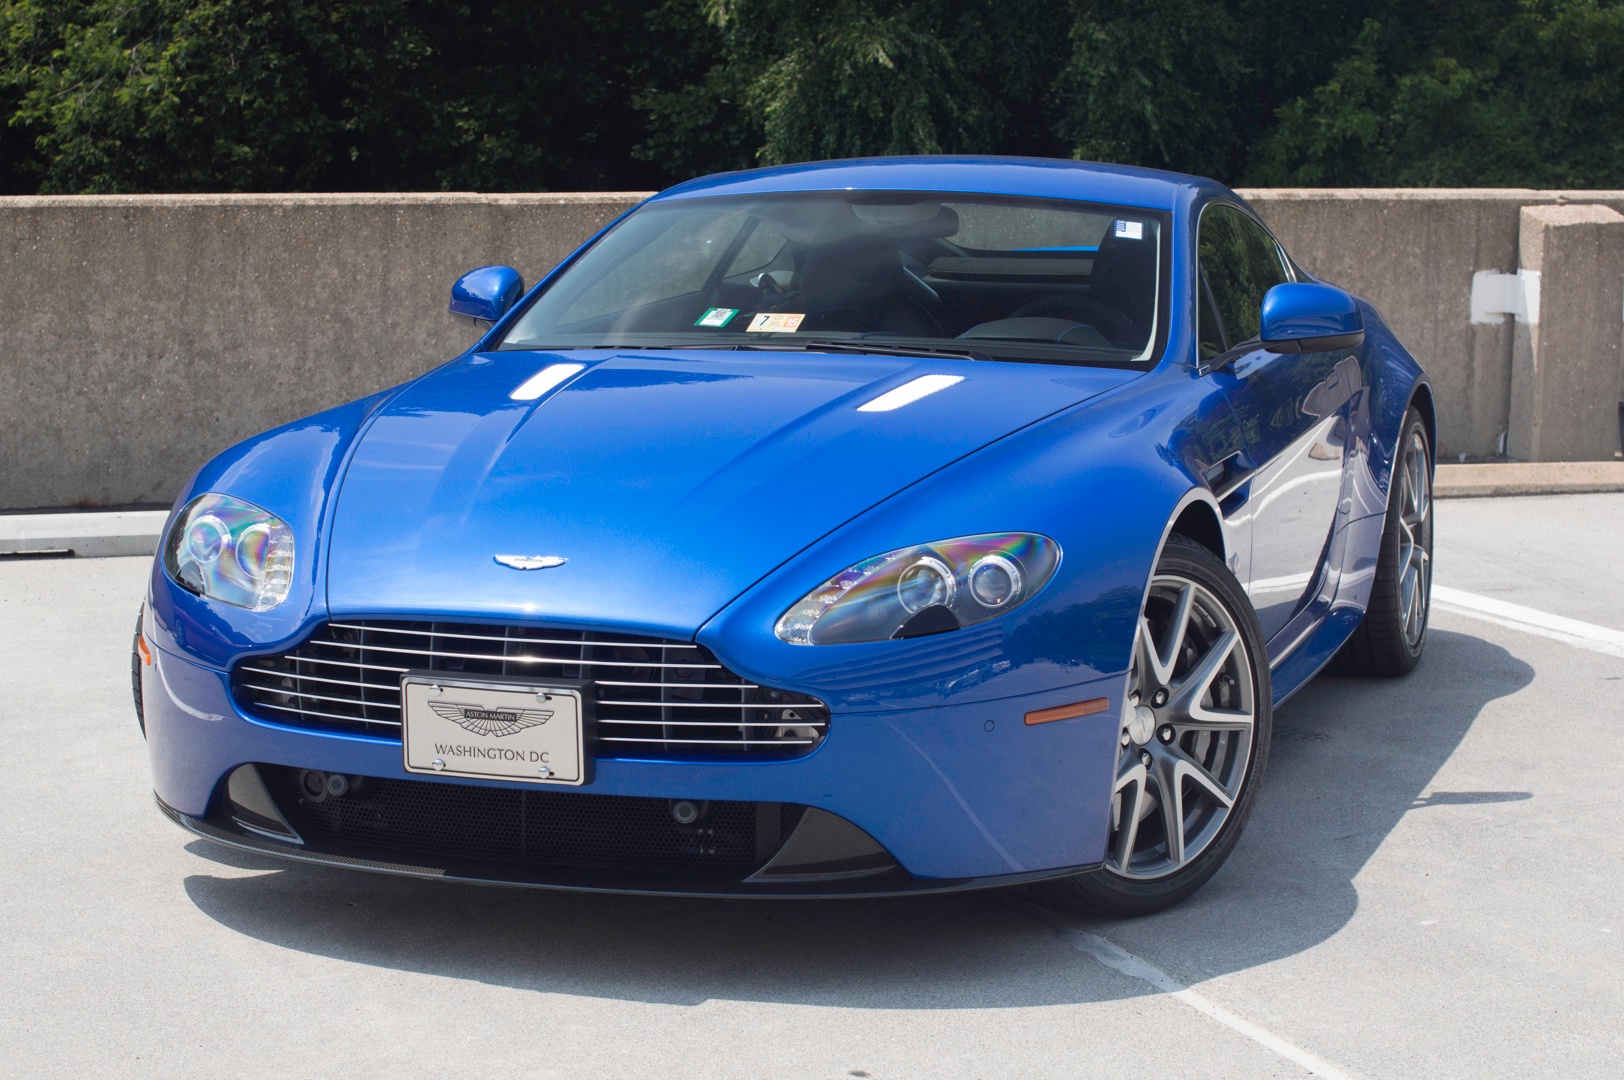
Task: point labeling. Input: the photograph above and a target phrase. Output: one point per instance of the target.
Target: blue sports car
(858, 527)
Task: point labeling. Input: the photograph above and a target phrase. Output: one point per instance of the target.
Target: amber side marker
(146, 656)
(1067, 712)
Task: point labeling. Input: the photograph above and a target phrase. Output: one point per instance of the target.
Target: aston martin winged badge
(497, 722)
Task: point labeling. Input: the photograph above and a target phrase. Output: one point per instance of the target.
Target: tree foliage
(198, 95)
(243, 95)
(1515, 94)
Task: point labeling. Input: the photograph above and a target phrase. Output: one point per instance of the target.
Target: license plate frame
(494, 730)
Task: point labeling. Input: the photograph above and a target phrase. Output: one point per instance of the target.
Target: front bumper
(959, 796)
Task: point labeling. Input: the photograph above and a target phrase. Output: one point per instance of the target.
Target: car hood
(669, 482)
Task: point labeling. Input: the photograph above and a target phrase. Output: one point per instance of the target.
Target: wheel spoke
(1208, 719)
(1162, 659)
(1418, 494)
(1406, 492)
(1187, 709)
(1186, 766)
(1407, 593)
(1415, 596)
(1130, 793)
(1144, 659)
(1170, 797)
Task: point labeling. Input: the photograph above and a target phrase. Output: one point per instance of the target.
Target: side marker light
(1068, 712)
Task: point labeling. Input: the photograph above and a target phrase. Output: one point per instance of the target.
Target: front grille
(653, 698)
(413, 818)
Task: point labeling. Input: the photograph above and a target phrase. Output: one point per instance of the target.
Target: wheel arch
(1199, 520)
(1421, 399)
(1197, 511)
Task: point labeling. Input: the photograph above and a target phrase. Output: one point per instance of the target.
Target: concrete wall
(1413, 253)
(1571, 264)
(139, 335)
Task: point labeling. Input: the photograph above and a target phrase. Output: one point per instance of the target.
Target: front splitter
(571, 879)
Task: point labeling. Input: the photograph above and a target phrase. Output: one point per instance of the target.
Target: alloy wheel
(1414, 540)
(1188, 721)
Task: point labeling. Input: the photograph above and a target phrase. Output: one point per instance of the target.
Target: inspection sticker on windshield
(775, 322)
(717, 316)
(1130, 230)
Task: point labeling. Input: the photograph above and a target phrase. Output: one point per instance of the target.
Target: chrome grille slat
(347, 663)
(704, 704)
(649, 644)
(666, 698)
(704, 723)
(331, 716)
(565, 660)
(288, 691)
(717, 742)
(683, 685)
(311, 678)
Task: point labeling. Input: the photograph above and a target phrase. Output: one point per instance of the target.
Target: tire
(1390, 638)
(135, 674)
(1196, 721)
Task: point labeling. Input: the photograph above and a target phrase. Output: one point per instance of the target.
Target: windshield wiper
(792, 345)
(884, 349)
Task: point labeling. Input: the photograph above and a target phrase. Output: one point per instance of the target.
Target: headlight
(231, 551)
(923, 590)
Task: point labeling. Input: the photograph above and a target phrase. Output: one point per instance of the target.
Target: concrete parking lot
(1431, 886)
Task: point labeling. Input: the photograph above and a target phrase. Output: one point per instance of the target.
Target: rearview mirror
(483, 296)
(1310, 318)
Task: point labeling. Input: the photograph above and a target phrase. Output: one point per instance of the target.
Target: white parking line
(1582, 635)
(1119, 959)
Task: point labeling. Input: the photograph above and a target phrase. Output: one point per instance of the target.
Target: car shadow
(1351, 757)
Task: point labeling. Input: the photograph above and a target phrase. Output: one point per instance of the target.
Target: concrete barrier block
(1565, 359)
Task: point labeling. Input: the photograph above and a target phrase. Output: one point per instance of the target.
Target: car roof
(1038, 177)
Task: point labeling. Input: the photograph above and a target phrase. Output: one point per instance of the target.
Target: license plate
(493, 731)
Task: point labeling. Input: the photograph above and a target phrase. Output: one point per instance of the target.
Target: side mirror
(1310, 318)
(486, 294)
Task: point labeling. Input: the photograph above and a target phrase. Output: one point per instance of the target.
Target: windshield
(995, 276)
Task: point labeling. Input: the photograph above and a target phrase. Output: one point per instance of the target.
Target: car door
(1291, 411)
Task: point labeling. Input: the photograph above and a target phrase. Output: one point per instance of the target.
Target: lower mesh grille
(653, 697)
(533, 827)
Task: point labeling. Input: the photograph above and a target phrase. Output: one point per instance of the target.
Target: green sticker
(717, 316)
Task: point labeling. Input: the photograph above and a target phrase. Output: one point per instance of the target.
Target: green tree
(255, 95)
(239, 95)
(1519, 93)
(798, 80)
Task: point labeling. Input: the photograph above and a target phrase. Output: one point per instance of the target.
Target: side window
(1240, 263)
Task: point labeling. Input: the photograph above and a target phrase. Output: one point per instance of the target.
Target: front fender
(292, 471)
(1104, 479)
